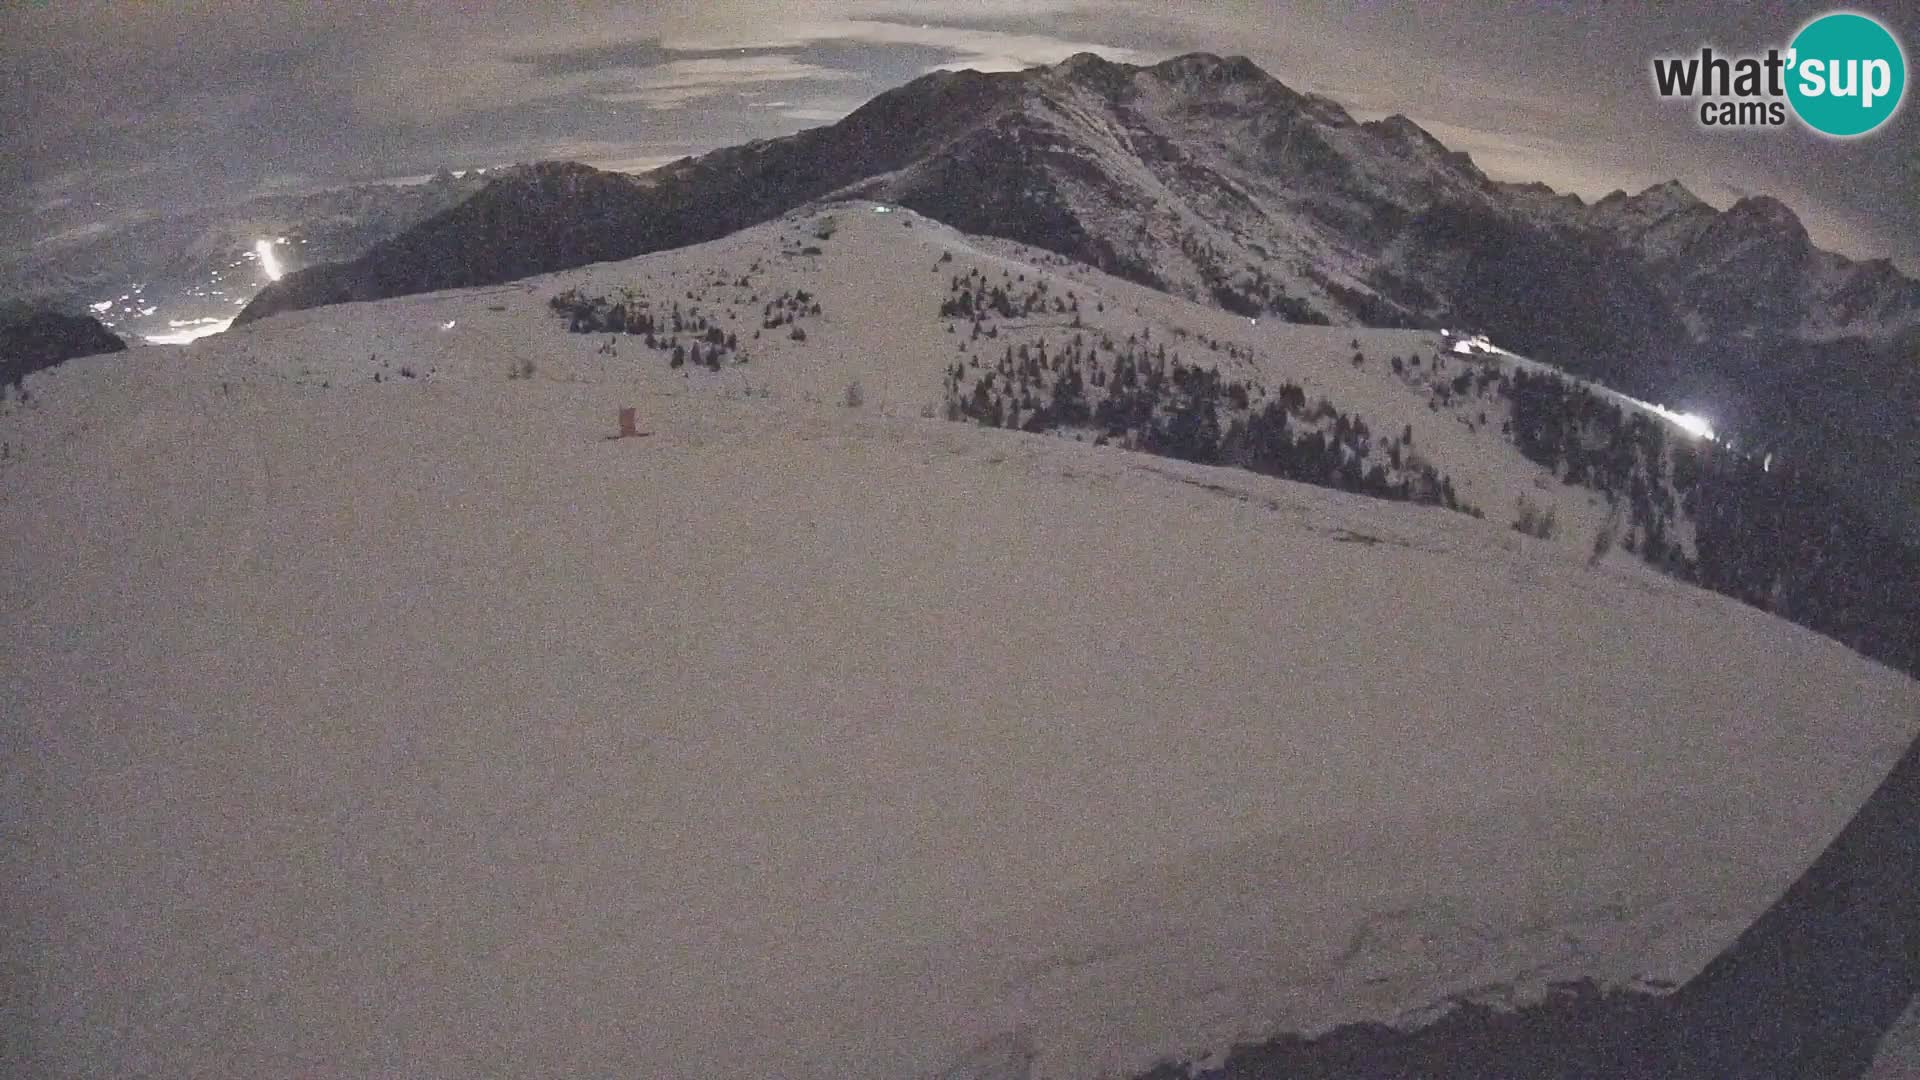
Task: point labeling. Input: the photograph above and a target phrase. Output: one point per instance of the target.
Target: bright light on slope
(1696, 426)
(264, 248)
(1691, 423)
(195, 330)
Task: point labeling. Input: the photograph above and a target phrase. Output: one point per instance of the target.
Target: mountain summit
(1208, 178)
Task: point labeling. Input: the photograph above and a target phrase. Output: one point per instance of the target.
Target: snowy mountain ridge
(381, 693)
(1208, 178)
(1393, 413)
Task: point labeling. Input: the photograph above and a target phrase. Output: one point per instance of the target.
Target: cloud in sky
(969, 47)
(679, 81)
(171, 105)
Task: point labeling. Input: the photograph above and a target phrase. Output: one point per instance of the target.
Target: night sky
(118, 110)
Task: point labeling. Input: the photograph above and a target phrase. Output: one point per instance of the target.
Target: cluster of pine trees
(685, 337)
(787, 310)
(1464, 394)
(970, 296)
(1624, 455)
(1777, 538)
(1138, 395)
(1780, 539)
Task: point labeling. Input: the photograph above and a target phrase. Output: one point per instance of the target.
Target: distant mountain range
(1207, 178)
(144, 275)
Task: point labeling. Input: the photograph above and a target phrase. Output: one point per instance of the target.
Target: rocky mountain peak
(1764, 212)
(1657, 202)
(1760, 232)
(1087, 63)
(1672, 194)
(1406, 135)
(1199, 68)
(1093, 71)
(1542, 192)
(1399, 126)
(1669, 211)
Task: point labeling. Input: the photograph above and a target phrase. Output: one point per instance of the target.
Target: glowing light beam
(264, 248)
(1692, 423)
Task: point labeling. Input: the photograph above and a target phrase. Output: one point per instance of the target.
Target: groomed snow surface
(415, 728)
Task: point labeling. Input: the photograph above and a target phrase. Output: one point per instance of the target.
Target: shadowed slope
(1809, 991)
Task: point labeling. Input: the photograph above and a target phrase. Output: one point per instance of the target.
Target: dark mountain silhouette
(1200, 175)
(555, 215)
(32, 339)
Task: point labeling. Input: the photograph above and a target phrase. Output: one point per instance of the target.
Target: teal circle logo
(1846, 74)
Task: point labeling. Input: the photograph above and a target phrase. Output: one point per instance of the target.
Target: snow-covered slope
(879, 274)
(414, 726)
